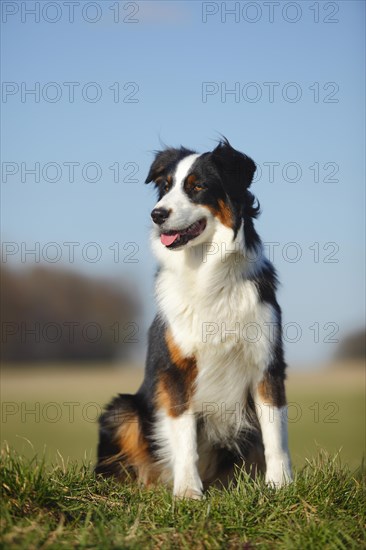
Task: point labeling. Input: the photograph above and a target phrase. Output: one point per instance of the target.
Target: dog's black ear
(236, 169)
(165, 160)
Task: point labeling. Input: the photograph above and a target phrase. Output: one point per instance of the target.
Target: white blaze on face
(183, 168)
(182, 212)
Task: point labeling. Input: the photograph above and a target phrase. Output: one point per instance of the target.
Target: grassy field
(52, 500)
(66, 507)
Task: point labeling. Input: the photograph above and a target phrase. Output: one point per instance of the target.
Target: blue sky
(162, 62)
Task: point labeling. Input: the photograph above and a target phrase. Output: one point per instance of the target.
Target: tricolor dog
(213, 396)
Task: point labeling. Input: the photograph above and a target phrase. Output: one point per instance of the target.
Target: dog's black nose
(159, 215)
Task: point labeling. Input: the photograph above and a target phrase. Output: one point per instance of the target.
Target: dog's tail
(123, 448)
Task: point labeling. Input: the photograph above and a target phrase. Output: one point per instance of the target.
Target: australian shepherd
(213, 396)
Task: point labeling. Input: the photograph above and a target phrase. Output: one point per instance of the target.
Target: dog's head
(199, 192)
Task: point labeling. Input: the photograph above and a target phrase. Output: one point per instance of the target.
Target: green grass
(65, 506)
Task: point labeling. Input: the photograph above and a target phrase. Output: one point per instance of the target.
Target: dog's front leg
(178, 421)
(180, 438)
(270, 401)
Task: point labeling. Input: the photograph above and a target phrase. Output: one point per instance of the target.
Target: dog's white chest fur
(214, 314)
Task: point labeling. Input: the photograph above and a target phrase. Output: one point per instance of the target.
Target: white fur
(210, 309)
(177, 438)
(273, 422)
(177, 201)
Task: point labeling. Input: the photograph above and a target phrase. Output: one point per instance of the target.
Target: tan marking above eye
(192, 184)
(168, 183)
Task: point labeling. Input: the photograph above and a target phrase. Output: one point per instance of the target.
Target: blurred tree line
(353, 346)
(52, 314)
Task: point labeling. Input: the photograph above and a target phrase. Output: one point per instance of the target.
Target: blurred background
(89, 91)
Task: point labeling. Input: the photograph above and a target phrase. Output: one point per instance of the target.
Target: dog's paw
(189, 486)
(195, 494)
(278, 473)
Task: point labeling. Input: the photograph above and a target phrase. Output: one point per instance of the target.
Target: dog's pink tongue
(168, 239)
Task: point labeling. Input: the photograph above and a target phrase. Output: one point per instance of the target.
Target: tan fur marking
(188, 364)
(134, 448)
(165, 399)
(224, 213)
(272, 392)
(174, 389)
(191, 180)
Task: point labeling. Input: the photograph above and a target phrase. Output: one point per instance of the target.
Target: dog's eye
(166, 186)
(198, 188)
